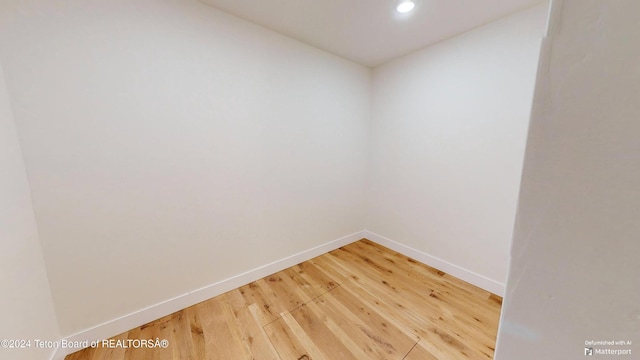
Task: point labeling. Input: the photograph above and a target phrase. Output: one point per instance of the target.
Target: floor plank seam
(413, 347)
(272, 343)
(299, 306)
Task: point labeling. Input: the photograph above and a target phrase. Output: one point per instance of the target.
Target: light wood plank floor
(362, 301)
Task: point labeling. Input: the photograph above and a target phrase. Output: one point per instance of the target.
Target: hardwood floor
(362, 301)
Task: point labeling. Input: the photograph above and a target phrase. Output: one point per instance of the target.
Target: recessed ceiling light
(405, 6)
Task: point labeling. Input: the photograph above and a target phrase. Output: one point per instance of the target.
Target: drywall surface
(26, 307)
(573, 277)
(170, 146)
(449, 126)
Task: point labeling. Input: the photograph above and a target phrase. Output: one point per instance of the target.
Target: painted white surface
(26, 307)
(437, 263)
(370, 32)
(148, 314)
(448, 130)
(170, 146)
(574, 271)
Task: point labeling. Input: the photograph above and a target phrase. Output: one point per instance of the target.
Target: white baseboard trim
(461, 273)
(153, 312)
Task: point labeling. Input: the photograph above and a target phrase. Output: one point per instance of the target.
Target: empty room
(319, 179)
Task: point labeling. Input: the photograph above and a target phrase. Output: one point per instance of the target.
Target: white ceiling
(370, 32)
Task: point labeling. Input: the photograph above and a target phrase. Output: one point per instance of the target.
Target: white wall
(449, 126)
(170, 146)
(26, 307)
(574, 271)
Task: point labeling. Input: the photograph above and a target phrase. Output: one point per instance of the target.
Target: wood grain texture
(361, 301)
